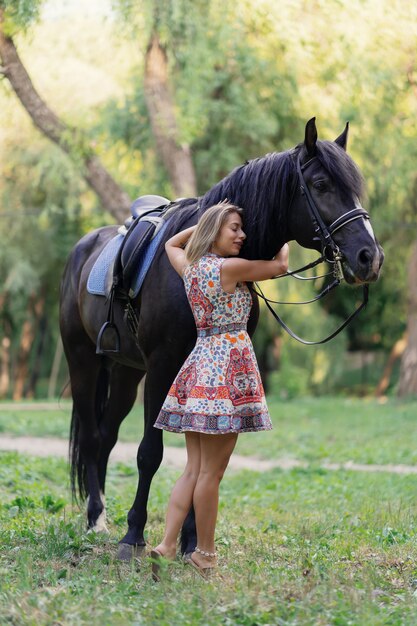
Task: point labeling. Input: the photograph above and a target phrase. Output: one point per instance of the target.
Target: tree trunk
(4, 349)
(395, 354)
(41, 332)
(22, 363)
(35, 309)
(175, 157)
(408, 370)
(4, 367)
(53, 378)
(114, 199)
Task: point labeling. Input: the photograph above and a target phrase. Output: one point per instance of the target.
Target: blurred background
(128, 88)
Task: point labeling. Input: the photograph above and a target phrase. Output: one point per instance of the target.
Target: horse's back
(86, 251)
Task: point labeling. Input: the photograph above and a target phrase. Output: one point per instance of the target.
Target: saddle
(149, 215)
(146, 221)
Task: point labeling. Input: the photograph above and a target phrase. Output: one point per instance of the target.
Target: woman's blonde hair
(208, 229)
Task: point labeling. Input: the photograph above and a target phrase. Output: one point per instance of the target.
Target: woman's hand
(282, 256)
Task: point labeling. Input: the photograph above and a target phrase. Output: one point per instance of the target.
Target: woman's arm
(174, 249)
(241, 270)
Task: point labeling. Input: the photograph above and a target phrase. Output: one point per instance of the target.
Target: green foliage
(19, 14)
(44, 190)
(373, 86)
(213, 59)
(244, 77)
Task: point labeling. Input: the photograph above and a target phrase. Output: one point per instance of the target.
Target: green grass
(338, 430)
(305, 547)
(310, 429)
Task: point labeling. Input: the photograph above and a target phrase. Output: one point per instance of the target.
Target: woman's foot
(168, 552)
(204, 562)
(158, 555)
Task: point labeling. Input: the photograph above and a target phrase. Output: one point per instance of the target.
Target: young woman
(218, 392)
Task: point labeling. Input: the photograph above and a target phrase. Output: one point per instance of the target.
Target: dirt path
(175, 457)
(126, 453)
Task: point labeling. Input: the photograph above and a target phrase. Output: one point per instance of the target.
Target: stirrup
(106, 327)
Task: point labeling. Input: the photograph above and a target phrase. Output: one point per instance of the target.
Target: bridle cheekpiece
(330, 253)
(325, 233)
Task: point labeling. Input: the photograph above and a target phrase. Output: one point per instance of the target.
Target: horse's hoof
(126, 552)
(98, 529)
(100, 525)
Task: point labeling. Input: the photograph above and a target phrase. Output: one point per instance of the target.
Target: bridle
(330, 253)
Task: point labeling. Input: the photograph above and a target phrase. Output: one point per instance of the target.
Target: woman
(218, 392)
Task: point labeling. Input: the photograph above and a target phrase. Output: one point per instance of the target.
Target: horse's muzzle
(367, 267)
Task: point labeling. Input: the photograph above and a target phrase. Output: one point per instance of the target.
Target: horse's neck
(266, 216)
(268, 233)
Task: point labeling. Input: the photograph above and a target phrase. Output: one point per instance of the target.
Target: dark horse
(104, 388)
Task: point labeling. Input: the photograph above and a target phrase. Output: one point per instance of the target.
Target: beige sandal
(205, 572)
(158, 562)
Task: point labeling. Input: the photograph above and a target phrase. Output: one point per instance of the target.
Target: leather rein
(330, 253)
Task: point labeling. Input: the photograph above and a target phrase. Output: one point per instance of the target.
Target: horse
(276, 209)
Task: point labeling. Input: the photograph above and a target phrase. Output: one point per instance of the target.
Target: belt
(218, 330)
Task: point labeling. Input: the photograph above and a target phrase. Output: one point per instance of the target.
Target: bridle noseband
(330, 253)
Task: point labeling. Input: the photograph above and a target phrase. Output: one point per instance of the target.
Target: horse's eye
(320, 185)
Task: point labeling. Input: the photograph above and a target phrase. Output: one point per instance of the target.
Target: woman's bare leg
(181, 497)
(215, 453)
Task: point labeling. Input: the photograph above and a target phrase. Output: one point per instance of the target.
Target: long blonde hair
(208, 229)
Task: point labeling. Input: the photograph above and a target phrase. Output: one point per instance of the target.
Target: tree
(408, 373)
(176, 157)
(217, 83)
(43, 194)
(114, 199)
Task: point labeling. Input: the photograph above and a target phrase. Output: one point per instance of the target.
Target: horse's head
(330, 185)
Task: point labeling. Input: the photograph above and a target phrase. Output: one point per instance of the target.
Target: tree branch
(176, 157)
(114, 199)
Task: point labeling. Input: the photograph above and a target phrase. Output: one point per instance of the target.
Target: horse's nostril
(365, 256)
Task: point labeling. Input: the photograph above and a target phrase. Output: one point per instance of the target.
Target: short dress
(218, 390)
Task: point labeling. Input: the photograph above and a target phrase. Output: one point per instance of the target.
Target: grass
(309, 429)
(304, 547)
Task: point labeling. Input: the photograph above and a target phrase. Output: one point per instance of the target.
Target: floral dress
(218, 389)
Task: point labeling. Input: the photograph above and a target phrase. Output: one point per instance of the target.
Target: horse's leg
(89, 384)
(161, 372)
(123, 390)
(188, 534)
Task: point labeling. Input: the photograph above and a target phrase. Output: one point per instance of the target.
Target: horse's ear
(310, 139)
(342, 139)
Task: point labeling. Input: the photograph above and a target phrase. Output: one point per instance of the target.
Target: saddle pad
(97, 280)
(96, 283)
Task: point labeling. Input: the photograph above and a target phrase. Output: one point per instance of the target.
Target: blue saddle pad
(97, 280)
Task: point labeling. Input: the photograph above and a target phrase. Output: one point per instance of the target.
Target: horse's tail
(78, 471)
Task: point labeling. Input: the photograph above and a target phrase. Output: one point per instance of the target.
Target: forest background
(232, 80)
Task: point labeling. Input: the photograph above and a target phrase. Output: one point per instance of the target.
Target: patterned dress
(218, 389)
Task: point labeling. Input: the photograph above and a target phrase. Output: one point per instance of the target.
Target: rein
(324, 233)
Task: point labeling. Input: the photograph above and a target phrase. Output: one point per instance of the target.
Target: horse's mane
(263, 188)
